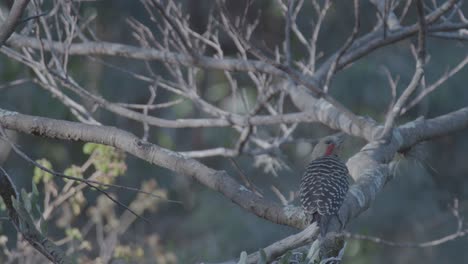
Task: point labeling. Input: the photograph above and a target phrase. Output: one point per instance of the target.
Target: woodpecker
(325, 182)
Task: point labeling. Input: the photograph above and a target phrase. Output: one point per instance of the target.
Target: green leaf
(39, 174)
(74, 233)
(88, 148)
(73, 171)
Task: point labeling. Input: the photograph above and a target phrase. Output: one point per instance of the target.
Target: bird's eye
(328, 142)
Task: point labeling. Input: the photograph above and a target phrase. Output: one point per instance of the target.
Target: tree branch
(9, 25)
(368, 167)
(291, 242)
(374, 40)
(217, 180)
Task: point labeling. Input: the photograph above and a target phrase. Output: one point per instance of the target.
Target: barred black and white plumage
(324, 184)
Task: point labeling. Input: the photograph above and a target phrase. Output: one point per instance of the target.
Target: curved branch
(291, 242)
(333, 117)
(217, 180)
(422, 130)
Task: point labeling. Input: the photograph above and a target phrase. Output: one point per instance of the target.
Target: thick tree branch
(217, 180)
(331, 116)
(368, 167)
(9, 25)
(278, 248)
(422, 130)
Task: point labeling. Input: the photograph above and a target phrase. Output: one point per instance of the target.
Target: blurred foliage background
(414, 206)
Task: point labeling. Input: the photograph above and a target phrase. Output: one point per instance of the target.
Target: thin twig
(393, 89)
(431, 243)
(460, 232)
(151, 99)
(244, 178)
(417, 77)
(280, 196)
(435, 85)
(345, 47)
(293, 74)
(14, 83)
(185, 41)
(287, 32)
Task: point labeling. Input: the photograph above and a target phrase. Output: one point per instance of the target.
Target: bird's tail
(322, 221)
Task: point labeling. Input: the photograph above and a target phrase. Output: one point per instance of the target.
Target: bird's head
(328, 145)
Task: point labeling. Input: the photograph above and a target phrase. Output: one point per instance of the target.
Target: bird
(324, 183)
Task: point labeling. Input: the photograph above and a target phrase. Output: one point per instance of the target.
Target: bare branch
(435, 85)
(313, 42)
(374, 40)
(206, 153)
(345, 47)
(280, 247)
(217, 180)
(14, 17)
(365, 167)
(459, 233)
(431, 243)
(422, 130)
(14, 83)
(244, 178)
(388, 16)
(418, 75)
(287, 32)
(173, 23)
(393, 89)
